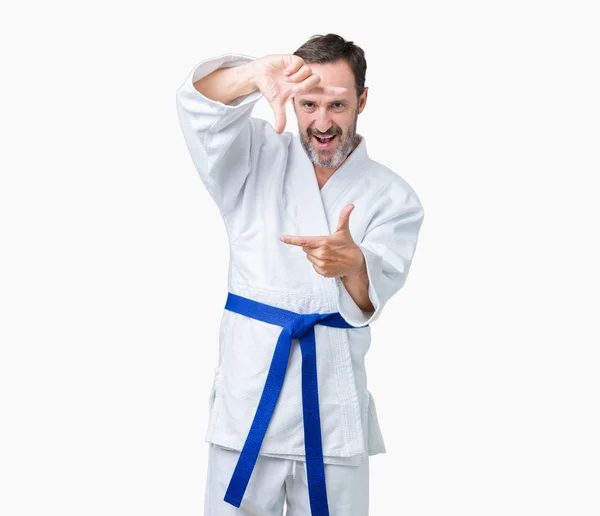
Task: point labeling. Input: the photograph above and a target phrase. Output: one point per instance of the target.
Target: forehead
(332, 74)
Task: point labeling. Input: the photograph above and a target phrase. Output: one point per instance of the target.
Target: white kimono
(265, 186)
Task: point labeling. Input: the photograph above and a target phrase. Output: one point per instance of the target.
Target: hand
(281, 76)
(334, 255)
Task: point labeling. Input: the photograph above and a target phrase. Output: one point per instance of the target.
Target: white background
(485, 367)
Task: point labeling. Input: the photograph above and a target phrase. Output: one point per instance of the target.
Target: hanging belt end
(232, 500)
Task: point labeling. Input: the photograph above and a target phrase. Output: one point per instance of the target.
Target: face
(329, 115)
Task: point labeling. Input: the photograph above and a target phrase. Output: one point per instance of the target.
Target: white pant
(274, 481)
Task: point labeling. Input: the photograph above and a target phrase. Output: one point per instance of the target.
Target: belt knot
(304, 323)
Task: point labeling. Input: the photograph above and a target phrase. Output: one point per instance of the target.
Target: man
(321, 237)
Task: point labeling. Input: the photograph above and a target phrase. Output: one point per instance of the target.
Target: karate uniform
(265, 186)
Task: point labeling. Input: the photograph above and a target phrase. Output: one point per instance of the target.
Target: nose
(322, 122)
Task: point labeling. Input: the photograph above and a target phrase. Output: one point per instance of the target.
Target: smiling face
(329, 115)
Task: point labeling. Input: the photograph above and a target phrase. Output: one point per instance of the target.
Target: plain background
(485, 367)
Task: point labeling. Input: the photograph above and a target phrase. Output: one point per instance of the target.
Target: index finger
(334, 90)
(300, 240)
(328, 90)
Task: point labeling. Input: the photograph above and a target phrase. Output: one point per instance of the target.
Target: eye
(308, 105)
(339, 104)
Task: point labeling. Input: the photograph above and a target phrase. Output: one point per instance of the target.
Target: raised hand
(281, 76)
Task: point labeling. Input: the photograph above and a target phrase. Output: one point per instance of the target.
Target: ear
(362, 100)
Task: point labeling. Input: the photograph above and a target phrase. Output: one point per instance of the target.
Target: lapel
(302, 191)
(315, 203)
(345, 176)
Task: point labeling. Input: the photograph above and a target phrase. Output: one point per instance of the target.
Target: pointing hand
(333, 255)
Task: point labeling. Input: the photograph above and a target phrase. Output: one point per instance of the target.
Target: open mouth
(324, 142)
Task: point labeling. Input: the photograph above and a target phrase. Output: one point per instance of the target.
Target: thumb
(344, 220)
(280, 118)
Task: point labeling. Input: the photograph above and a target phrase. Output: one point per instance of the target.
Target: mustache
(311, 132)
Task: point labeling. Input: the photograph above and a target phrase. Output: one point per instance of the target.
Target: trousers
(276, 483)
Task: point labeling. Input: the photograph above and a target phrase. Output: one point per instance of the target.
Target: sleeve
(220, 137)
(388, 245)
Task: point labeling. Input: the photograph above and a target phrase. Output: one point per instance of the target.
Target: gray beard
(344, 148)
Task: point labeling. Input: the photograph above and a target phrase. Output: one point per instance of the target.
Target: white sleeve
(220, 137)
(388, 246)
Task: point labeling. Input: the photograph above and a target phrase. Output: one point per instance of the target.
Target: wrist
(360, 269)
(249, 76)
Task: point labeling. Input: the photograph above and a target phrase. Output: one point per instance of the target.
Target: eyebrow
(342, 101)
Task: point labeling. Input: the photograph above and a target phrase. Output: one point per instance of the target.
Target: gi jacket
(265, 186)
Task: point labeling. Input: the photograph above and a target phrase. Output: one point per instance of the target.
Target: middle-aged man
(321, 237)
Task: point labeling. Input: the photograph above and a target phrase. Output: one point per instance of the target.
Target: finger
(344, 220)
(310, 250)
(316, 261)
(300, 240)
(318, 253)
(334, 90)
(294, 65)
(280, 116)
(300, 75)
(307, 84)
(315, 86)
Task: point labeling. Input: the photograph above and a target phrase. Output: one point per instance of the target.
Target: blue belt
(295, 326)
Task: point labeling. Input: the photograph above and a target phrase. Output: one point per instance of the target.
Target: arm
(388, 247)
(227, 84)
(357, 285)
(214, 105)
(221, 137)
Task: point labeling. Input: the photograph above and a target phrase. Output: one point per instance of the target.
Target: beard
(331, 158)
